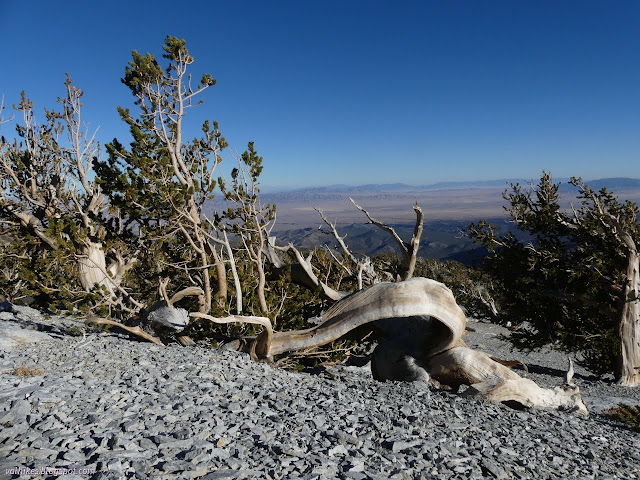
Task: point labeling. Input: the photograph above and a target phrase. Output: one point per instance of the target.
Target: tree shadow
(556, 372)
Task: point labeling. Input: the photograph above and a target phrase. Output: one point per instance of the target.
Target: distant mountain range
(610, 183)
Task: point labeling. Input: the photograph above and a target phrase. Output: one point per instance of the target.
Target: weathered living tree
(161, 183)
(574, 279)
(50, 206)
(249, 220)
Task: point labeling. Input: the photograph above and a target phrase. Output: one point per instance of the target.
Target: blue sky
(363, 92)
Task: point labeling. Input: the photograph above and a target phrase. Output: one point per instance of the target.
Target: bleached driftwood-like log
(485, 376)
(418, 297)
(464, 366)
(421, 298)
(524, 393)
(137, 331)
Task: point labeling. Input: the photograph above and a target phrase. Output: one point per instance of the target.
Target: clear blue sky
(362, 92)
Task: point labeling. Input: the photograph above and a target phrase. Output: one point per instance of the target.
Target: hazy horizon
(489, 183)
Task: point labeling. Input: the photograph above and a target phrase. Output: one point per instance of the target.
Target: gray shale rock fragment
(12, 336)
(493, 469)
(172, 412)
(16, 414)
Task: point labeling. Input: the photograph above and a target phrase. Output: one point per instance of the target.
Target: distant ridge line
(610, 183)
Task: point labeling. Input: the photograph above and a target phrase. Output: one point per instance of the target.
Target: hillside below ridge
(448, 208)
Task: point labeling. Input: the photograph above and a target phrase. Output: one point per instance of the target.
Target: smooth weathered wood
(93, 268)
(184, 293)
(629, 368)
(418, 297)
(524, 393)
(464, 366)
(133, 330)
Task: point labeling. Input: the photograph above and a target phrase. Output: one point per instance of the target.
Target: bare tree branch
(365, 268)
(409, 250)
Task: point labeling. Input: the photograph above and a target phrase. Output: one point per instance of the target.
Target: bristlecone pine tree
(53, 246)
(574, 280)
(248, 218)
(161, 183)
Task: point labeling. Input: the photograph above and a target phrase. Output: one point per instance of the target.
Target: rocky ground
(102, 405)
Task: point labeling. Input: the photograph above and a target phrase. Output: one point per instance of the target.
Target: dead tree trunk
(437, 351)
(417, 298)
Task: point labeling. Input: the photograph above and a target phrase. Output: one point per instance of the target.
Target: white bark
(629, 374)
(525, 393)
(418, 297)
(93, 268)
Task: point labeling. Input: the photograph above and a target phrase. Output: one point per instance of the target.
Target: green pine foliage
(42, 278)
(626, 414)
(46, 206)
(474, 290)
(247, 218)
(564, 274)
(157, 187)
